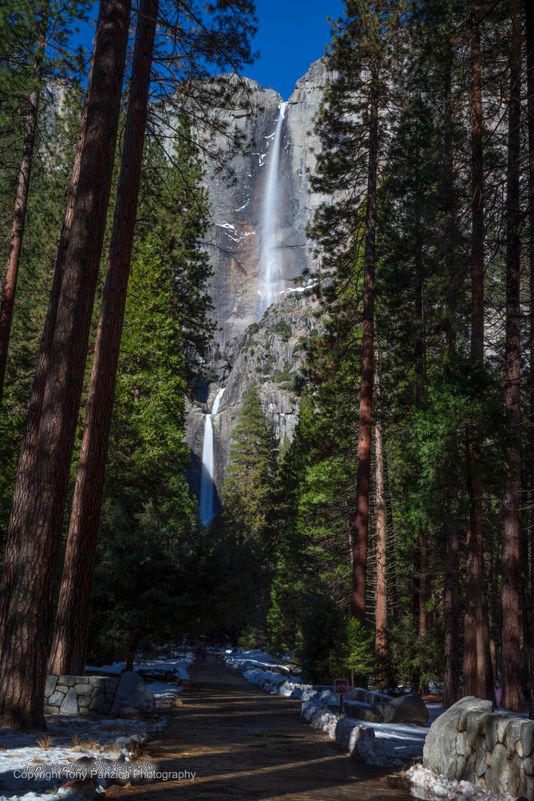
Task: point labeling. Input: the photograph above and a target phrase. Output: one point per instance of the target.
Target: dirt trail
(246, 745)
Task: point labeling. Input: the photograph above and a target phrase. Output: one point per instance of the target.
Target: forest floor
(242, 744)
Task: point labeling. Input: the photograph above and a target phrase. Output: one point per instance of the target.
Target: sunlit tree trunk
(361, 533)
(381, 601)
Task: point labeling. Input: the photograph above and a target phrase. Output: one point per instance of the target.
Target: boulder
(406, 709)
(133, 697)
(370, 712)
(439, 753)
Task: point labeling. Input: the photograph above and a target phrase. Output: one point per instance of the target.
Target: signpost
(342, 688)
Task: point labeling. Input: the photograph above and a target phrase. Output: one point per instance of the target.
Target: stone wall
(80, 695)
(493, 750)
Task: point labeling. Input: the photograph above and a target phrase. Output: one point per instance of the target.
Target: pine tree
(350, 132)
(34, 51)
(511, 594)
(70, 639)
(248, 486)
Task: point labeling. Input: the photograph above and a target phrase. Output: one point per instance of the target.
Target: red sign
(342, 686)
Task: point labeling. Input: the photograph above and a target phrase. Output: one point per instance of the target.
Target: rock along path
(246, 745)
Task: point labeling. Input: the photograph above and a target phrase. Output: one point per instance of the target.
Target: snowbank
(177, 664)
(275, 676)
(428, 786)
(383, 744)
(247, 660)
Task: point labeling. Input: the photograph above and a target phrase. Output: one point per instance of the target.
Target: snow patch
(427, 786)
(68, 739)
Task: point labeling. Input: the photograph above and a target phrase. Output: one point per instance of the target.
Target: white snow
(427, 786)
(70, 738)
(245, 204)
(385, 744)
(226, 225)
(176, 664)
(67, 740)
(245, 660)
(299, 289)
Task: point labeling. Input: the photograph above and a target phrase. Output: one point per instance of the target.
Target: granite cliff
(252, 346)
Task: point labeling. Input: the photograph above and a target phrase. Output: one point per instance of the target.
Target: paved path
(246, 745)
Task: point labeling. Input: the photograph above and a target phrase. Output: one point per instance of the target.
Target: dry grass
(45, 742)
(75, 741)
(90, 745)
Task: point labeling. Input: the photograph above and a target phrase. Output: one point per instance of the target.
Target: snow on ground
(387, 744)
(178, 664)
(34, 765)
(27, 758)
(246, 660)
(427, 786)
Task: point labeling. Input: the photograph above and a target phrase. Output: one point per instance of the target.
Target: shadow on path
(244, 744)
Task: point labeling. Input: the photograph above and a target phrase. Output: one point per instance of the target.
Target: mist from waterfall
(208, 504)
(270, 265)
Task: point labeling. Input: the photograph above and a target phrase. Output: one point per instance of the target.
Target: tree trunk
(511, 553)
(451, 683)
(9, 285)
(70, 640)
(361, 534)
(529, 14)
(451, 674)
(477, 663)
(381, 607)
(423, 585)
(41, 483)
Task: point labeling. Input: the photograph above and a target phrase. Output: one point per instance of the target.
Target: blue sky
(291, 34)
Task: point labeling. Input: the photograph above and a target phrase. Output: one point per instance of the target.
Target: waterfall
(207, 484)
(271, 268)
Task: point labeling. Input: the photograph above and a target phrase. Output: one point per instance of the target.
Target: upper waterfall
(271, 267)
(208, 502)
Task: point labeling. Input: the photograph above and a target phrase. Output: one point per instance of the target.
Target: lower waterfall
(208, 503)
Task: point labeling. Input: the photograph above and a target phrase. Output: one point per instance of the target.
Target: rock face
(493, 750)
(267, 356)
(249, 350)
(236, 193)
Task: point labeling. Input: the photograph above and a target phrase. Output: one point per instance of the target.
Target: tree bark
(478, 679)
(381, 606)
(41, 483)
(511, 547)
(423, 585)
(361, 534)
(69, 647)
(451, 674)
(451, 683)
(9, 284)
(529, 15)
